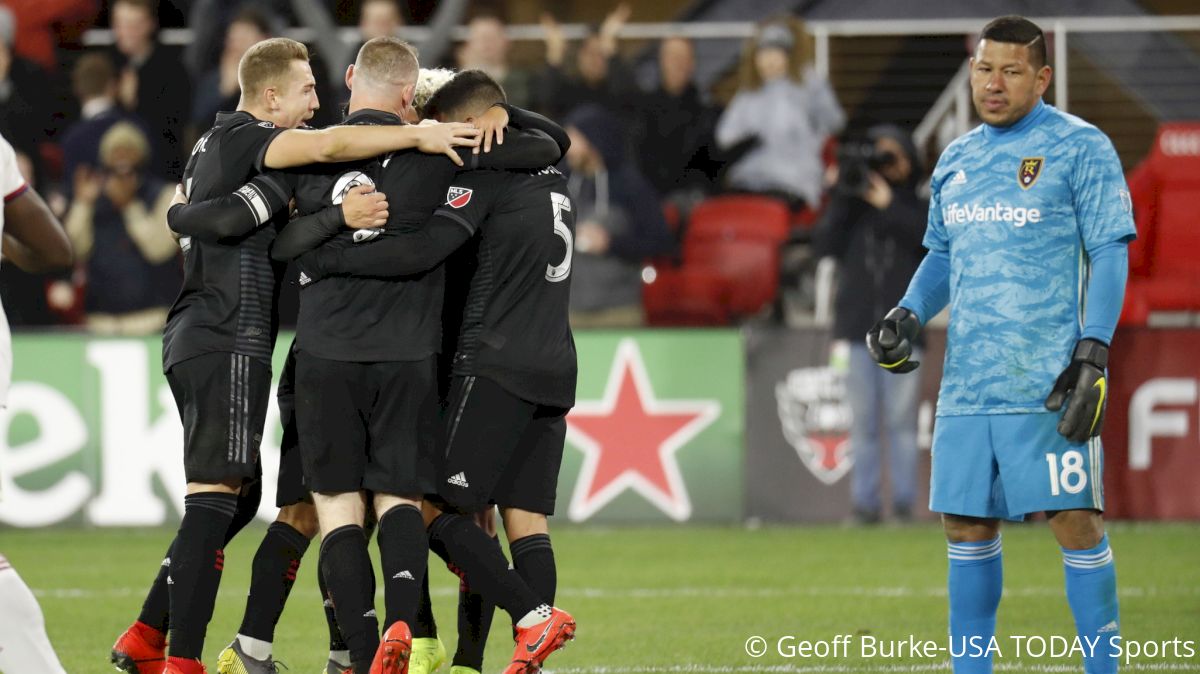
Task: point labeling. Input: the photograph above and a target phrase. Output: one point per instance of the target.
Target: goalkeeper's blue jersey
(1017, 209)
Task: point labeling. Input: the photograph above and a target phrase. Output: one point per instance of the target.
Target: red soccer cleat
(535, 644)
(184, 666)
(140, 650)
(394, 649)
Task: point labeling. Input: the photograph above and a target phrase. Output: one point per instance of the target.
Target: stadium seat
(751, 268)
(1165, 188)
(741, 217)
(685, 297)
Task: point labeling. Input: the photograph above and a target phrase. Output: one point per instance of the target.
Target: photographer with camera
(873, 227)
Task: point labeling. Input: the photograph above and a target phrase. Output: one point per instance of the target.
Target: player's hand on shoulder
(890, 340)
(1083, 389)
(364, 207)
(491, 124)
(438, 138)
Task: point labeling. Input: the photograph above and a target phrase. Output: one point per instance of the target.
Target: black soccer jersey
(514, 327)
(369, 319)
(227, 302)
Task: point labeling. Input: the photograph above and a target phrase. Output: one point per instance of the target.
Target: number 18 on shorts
(1010, 465)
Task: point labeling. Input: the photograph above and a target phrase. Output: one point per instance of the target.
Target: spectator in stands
(600, 77)
(152, 83)
(26, 103)
(218, 89)
(116, 228)
(873, 227)
(379, 18)
(486, 49)
(376, 18)
(94, 81)
(46, 24)
(780, 117)
(676, 124)
(618, 223)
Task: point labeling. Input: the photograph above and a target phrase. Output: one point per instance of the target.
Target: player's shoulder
(965, 148)
(1071, 134)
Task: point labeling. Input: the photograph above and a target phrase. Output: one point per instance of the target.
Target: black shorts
(367, 425)
(291, 488)
(222, 400)
(499, 449)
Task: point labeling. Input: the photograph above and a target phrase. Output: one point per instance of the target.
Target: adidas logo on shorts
(404, 575)
(458, 480)
(305, 279)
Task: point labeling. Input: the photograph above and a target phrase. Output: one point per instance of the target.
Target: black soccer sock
(351, 582)
(336, 643)
(156, 609)
(404, 556)
(197, 558)
(474, 623)
(486, 569)
(271, 579)
(424, 625)
(533, 558)
(248, 501)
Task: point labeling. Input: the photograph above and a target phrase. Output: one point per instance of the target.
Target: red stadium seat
(1165, 188)
(740, 217)
(750, 267)
(685, 297)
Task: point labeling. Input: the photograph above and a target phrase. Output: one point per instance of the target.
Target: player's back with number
(515, 323)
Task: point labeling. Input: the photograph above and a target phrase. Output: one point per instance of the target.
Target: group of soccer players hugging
(379, 433)
(407, 237)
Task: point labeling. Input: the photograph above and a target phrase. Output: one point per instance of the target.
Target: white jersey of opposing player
(12, 185)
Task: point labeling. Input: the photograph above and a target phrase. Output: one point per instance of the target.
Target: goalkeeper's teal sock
(976, 581)
(1092, 594)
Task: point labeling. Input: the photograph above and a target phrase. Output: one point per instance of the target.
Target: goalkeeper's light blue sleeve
(929, 291)
(1105, 290)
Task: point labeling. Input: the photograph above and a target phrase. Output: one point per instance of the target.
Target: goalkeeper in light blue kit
(1029, 220)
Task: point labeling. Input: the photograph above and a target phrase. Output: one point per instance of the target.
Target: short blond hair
(123, 135)
(268, 64)
(387, 61)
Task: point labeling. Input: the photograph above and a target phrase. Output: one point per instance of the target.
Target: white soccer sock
(537, 616)
(24, 646)
(342, 658)
(255, 648)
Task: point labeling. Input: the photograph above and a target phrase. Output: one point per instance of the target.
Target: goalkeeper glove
(890, 340)
(1084, 388)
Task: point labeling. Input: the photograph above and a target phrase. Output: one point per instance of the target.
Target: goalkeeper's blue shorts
(1009, 465)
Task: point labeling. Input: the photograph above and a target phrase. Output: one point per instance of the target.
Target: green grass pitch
(673, 599)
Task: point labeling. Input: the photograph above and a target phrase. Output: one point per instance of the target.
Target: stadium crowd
(104, 133)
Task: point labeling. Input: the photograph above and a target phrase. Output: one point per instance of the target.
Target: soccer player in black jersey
(514, 369)
(220, 334)
(365, 388)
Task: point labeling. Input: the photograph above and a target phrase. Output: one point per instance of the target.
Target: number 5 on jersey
(561, 203)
